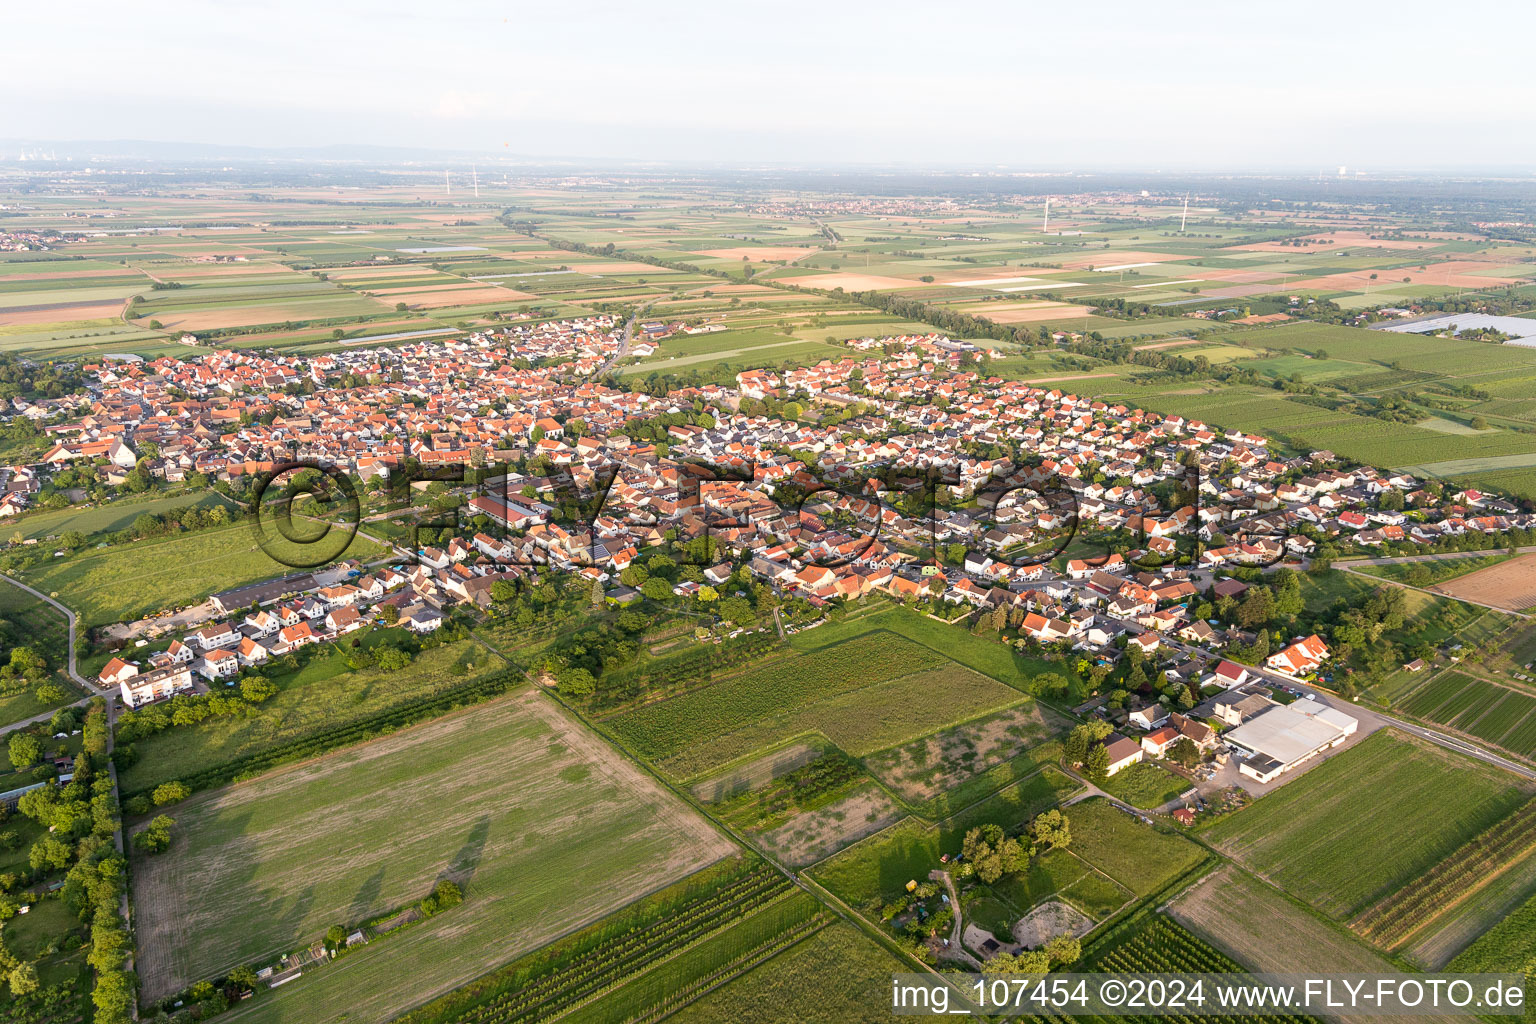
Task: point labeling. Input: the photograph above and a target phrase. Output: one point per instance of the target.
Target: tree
(25, 750)
(63, 721)
(577, 682)
(1048, 684)
(156, 838)
(391, 659)
(1257, 608)
(1184, 753)
(243, 977)
(1031, 961)
(1064, 949)
(170, 793)
(1075, 748)
(23, 980)
(335, 937)
(737, 610)
(1082, 737)
(1097, 765)
(255, 689)
(49, 854)
(445, 895)
(656, 588)
(992, 853)
(1049, 831)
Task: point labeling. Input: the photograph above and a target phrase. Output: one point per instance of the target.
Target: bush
(170, 793)
(445, 895)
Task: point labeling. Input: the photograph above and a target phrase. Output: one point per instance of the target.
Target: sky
(1008, 86)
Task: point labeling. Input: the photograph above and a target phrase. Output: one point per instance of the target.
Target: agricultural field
(1417, 905)
(862, 694)
(1002, 662)
(1059, 875)
(1298, 836)
(110, 516)
(925, 768)
(837, 974)
(124, 581)
(658, 953)
(855, 753)
(1140, 857)
(1267, 931)
(1357, 365)
(1509, 584)
(811, 835)
(1146, 784)
(1509, 946)
(800, 804)
(538, 822)
(1494, 712)
(1454, 931)
(1429, 572)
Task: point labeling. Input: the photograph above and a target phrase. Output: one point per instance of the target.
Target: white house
(141, 689)
(220, 634)
(219, 664)
(117, 671)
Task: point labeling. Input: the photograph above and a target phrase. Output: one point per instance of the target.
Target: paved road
(68, 615)
(629, 333)
(73, 669)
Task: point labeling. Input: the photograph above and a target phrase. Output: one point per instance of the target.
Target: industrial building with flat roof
(1287, 735)
(262, 593)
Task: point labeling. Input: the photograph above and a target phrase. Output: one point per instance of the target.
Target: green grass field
(1145, 784)
(123, 582)
(322, 694)
(111, 516)
(1413, 803)
(1423, 574)
(1138, 856)
(866, 693)
(543, 827)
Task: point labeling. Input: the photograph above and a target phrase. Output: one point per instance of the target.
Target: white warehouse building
(1285, 736)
